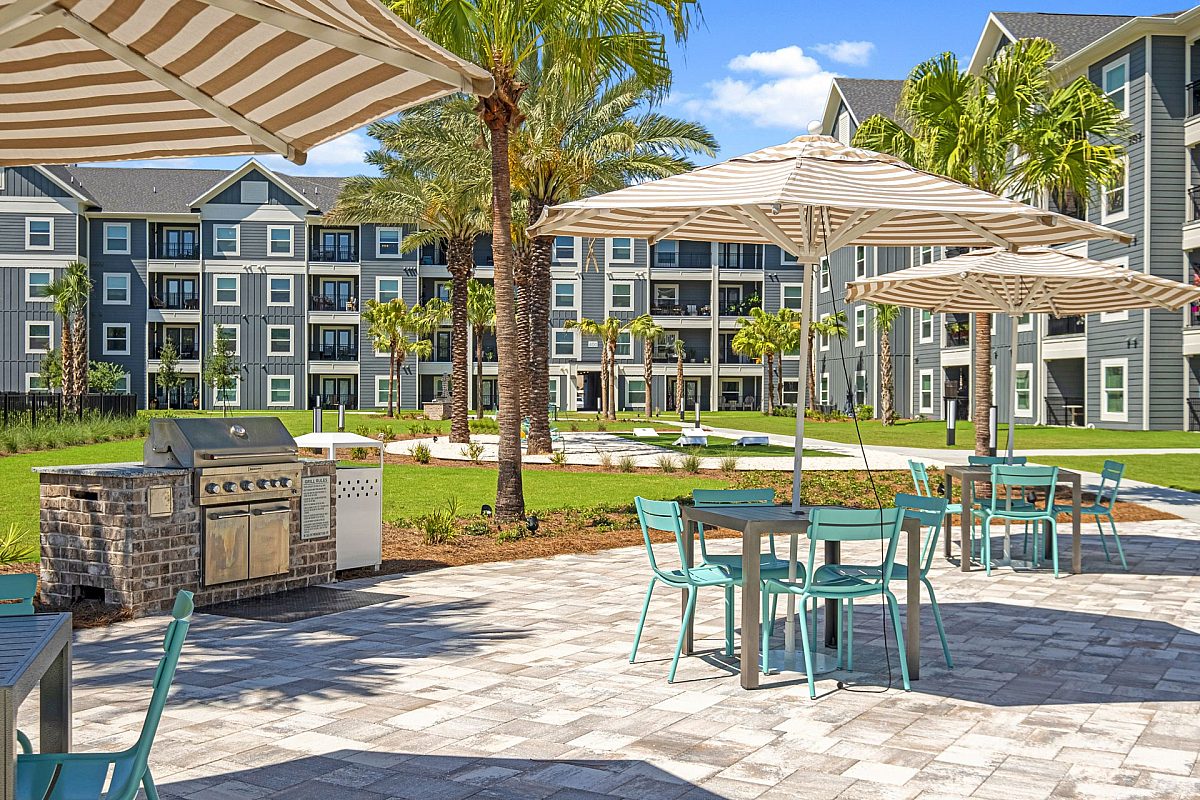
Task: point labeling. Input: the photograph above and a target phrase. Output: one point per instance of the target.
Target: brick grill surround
(98, 537)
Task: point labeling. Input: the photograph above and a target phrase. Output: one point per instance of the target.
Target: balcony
(740, 256)
(333, 302)
(176, 251)
(1065, 326)
(176, 300)
(174, 242)
(1066, 411)
(184, 352)
(741, 309)
(337, 254)
(333, 352)
(672, 310)
(958, 330)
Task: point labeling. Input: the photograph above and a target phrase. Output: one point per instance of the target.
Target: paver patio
(511, 680)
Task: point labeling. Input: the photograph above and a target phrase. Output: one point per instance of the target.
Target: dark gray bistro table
(35, 650)
(753, 522)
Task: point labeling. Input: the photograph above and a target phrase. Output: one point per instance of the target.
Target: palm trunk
(887, 400)
(460, 262)
(391, 377)
(604, 379)
(811, 378)
(648, 376)
(779, 379)
(612, 379)
(679, 382)
(499, 112)
(66, 360)
(538, 440)
(80, 334)
(768, 408)
(478, 372)
(983, 383)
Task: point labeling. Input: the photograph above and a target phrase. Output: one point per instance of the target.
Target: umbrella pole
(789, 625)
(1012, 384)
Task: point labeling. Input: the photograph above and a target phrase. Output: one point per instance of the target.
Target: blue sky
(757, 71)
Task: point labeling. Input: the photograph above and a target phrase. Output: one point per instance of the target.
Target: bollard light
(341, 417)
(992, 430)
(951, 420)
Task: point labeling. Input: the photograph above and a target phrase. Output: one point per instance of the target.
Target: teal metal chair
(1106, 498)
(661, 515)
(1022, 482)
(989, 461)
(770, 564)
(920, 476)
(931, 513)
(843, 582)
(18, 590)
(75, 776)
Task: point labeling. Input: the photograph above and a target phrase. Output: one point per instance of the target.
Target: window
(791, 391)
(925, 400)
(226, 290)
(441, 290)
(122, 385)
(923, 255)
(621, 296)
(926, 331)
(387, 289)
(823, 389)
(1025, 322)
(785, 257)
(39, 233)
(823, 339)
(387, 242)
(666, 253)
(279, 390)
(793, 296)
(624, 345)
(254, 192)
(1113, 389)
(564, 344)
(116, 238)
(233, 333)
(116, 339)
(35, 382)
(1024, 378)
(564, 248)
(860, 326)
(666, 296)
(860, 387)
(116, 288)
(1115, 83)
(564, 295)
(552, 385)
(823, 275)
(1116, 198)
(279, 340)
(620, 249)
(36, 283)
(383, 390)
(279, 290)
(635, 392)
(228, 397)
(226, 240)
(39, 337)
(860, 262)
(279, 240)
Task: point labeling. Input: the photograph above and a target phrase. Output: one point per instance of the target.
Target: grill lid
(190, 442)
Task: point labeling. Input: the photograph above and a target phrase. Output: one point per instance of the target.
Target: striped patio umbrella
(810, 197)
(97, 80)
(1039, 280)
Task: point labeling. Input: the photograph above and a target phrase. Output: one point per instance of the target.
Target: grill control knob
(230, 486)
(285, 482)
(212, 488)
(263, 483)
(247, 485)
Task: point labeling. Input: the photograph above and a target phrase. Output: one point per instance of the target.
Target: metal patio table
(968, 476)
(753, 522)
(35, 649)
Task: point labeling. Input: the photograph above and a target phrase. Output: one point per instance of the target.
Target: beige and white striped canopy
(96, 80)
(1040, 280)
(814, 194)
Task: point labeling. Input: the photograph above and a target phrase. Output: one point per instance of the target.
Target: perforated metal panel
(359, 517)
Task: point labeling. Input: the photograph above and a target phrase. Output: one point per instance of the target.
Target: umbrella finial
(814, 128)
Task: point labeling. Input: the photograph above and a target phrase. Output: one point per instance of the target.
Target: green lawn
(933, 433)
(298, 422)
(1176, 470)
(719, 447)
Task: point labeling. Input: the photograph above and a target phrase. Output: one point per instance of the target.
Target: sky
(756, 72)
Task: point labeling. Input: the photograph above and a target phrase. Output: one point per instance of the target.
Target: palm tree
(1012, 128)
(789, 341)
(759, 337)
(679, 349)
(504, 36)
(886, 316)
(831, 326)
(69, 295)
(649, 331)
(481, 312)
(608, 332)
(384, 326)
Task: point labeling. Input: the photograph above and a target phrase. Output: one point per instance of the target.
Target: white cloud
(342, 156)
(782, 88)
(844, 52)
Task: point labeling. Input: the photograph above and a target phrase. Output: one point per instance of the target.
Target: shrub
(558, 458)
(513, 533)
(864, 411)
(358, 453)
(667, 463)
(420, 453)
(386, 433)
(477, 527)
(785, 411)
(729, 464)
(601, 427)
(363, 430)
(574, 428)
(606, 461)
(626, 464)
(473, 451)
(690, 463)
(17, 546)
(438, 527)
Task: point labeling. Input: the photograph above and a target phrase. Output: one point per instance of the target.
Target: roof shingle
(867, 97)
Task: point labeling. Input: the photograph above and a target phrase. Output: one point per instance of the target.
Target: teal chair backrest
(988, 461)
(931, 513)
(1110, 484)
(662, 515)
(1020, 478)
(21, 588)
(714, 498)
(855, 525)
(920, 476)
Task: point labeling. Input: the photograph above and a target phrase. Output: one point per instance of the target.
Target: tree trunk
(499, 114)
(604, 379)
(779, 378)
(478, 372)
(983, 383)
(887, 399)
(521, 278)
(80, 334)
(460, 261)
(648, 376)
(679, 382)
(66, 360)
(612, 379)
(391, 377)
(810, 380)
(768, 361)
(538, 439)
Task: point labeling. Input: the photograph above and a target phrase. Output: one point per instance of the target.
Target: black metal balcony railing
(333, 352)
(682, 259)
(1066, 411)
(185, 353)
(1065, 326)
(672, 310)
(1193, 94)
(183, 251)
(1193, 414)
(958, 335)
(175, 301)
(738, 309)
(730, 357)
(332, 302)
(179, 399)
(332, 401)
(337, 254)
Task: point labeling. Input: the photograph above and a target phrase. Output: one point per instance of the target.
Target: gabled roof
(245, 169)
(863, 98)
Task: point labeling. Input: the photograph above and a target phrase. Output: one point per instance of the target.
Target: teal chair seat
(700, 576)
(1102, 509)
(770, 565)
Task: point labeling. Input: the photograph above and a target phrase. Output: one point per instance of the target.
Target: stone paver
(512, 680)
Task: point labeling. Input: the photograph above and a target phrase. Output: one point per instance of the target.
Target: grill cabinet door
(226, 535)
(270, 537)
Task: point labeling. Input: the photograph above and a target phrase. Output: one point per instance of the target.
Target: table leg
(949, 481)
(912, 629)
(833, 555)
(751, 609)
(1076, 521)
(8, 757)
(964, 540)
(55, 710)
(689, 537)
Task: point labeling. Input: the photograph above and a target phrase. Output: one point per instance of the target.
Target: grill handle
(230, 516)
(222, 457)
(272, 511)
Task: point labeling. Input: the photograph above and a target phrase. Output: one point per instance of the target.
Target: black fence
(47, 408)
(1066, 411)
(1193, 414)
(330, 402)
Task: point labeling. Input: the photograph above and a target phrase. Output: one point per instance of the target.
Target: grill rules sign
(314, 507)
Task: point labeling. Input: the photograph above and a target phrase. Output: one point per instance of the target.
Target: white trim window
(280, 340)
(281, 241)
(566, 248)
(860, 387)
(388, 241)
(925, 392)
(1024, 380)
(235, 337)
(624, 345)
(280, 390)
(227, 290)
(564, 295)
(860, 326)
(666, 295)
(792, 296)
(1024, 323)
(37, 281)
(1116, 316)
(34, 381)
(791, 391)
(823, 338)
(925, 323)
(823, 275)
(1114, 390)
(387, 290)
(116, 289)
(383, 385)
(635, 392)
(860, 262)
(115, 338)
(441, 290)
(923, 255)
(39, 233)
(229, 397)
(619, 250)
(565, 344)
(1114, 82)
(620, 296)
(117, 238)
(552, 387)
(280, 290)
(122, 384)
(227, 240)
(823, 389)
(253, 193)
(786, 257)
(1115, 201)
(39, 336)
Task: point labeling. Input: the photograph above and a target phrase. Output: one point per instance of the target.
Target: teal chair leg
(849, 635)
(729, 621)
(808, 666)
(1117, 540)
(891, 601)
(687, 620)
(637, 637)
(937, 620)
(1052, 532)
(768, 622)
(23, 741)
(986, 532)
(1103, 544)
(148, 785)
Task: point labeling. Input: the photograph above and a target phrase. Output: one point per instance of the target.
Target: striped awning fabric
(1036, 281)
(814, 194)
(96, 80)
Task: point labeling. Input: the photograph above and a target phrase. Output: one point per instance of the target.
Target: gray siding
(28, 182)
(15, 362)
(276, 195)
(12, 234)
